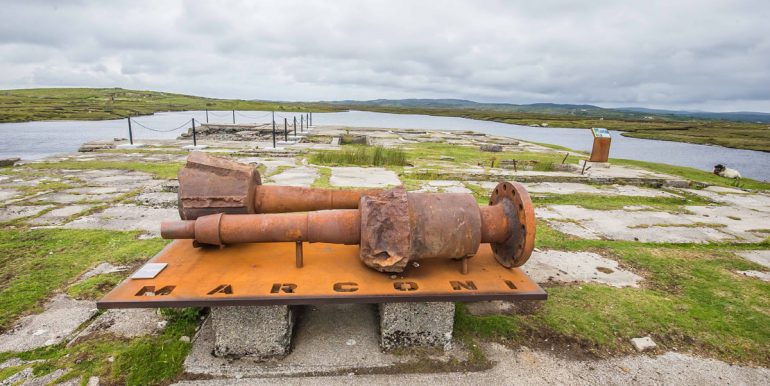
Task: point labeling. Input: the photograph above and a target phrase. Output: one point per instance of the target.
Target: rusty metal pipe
(495, 225)
(282, 199)
(392, 228)
(340, 226)
(210, 185)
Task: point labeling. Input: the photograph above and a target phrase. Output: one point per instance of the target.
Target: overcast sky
(700, 54)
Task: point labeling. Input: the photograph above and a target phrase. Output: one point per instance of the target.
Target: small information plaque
(149, 271)
(600, 132)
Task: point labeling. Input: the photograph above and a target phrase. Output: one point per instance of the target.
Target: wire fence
(184, 125)
(304, 119)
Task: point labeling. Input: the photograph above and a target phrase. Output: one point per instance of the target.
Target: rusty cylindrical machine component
(210, 185)
(393, 228)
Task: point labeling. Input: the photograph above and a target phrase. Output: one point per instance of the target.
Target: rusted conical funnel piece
(393, 228)
(210, 185)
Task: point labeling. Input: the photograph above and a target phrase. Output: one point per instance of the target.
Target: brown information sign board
(265, 274)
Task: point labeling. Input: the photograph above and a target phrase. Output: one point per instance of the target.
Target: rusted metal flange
(515, 251)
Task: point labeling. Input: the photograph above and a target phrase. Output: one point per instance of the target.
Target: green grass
(607, 202)
(9, 371)
(35, 263)
(150, 360)
(113, 103)
(693, 174)
(163, 170)
(95, 287)
(324, 174)
(741, 135)
(425, 153)
(360, 155)
(690, 301)
(432, 152)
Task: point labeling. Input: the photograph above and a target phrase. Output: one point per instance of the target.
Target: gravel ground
(528, 367)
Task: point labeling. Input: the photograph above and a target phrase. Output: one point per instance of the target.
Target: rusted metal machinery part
(211, 185)
(398, 227)
(392, 228)
(516, 249)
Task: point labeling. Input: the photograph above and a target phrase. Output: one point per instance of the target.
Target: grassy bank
(113, 103)
(739, 135)
(360, 155)
(690, 301)
(693, 174)
(37, 262)
(166, 170)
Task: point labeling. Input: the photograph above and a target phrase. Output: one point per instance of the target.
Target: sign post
(601, 148)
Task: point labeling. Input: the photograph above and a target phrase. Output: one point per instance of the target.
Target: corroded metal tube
(210, 185)
(282, 199)
(392, 228)
(340, 226)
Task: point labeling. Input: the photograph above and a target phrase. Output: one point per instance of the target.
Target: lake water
(31, 140)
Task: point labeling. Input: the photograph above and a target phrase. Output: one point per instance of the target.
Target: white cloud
(658, 53)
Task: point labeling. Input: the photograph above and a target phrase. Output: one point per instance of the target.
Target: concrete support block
(416, 324)
(260, 332)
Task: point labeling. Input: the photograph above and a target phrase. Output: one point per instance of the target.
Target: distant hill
(556, 108)
(543, 108)
(738, 116)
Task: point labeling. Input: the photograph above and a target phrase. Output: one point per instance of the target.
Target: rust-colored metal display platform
(265, 274)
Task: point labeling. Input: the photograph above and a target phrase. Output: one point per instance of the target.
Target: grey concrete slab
(158, 199)
(754, 201)
(62, 316)
(59, 215)
(13, 212)
(645, 226)
(102, 269)
(761, 257)
(66, 198)
(363, 177)
(747, 224)
(98, 190)
(724, 189)
(581, 188)
(126, 217)
(444, 186)
(566, 267)
(46, 379)
(271, 165)
(7, 194)
(123, 178)
(764, 276)
(124, 323)
(296, 176)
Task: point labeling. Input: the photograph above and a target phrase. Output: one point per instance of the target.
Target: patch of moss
(35, 263)
(163, 170)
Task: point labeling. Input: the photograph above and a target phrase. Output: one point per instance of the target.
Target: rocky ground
(624, 252)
